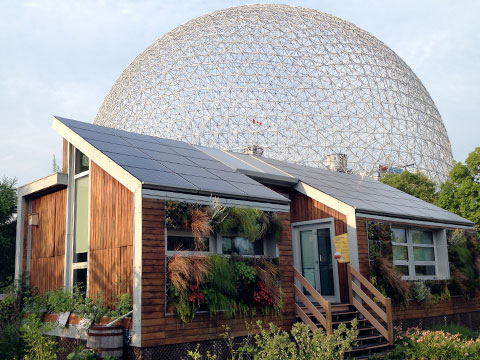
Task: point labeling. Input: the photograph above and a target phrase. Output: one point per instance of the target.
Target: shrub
(420, 292)
(464, 332)
(82, 354)
(38, 346)
(272, 343)
(434, 345)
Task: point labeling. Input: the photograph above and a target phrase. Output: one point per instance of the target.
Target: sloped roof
(171, 165)
(365, 194)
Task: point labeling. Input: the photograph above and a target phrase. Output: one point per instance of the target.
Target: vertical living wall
(161, 328)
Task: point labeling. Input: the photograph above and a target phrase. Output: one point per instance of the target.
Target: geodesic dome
(299, 83)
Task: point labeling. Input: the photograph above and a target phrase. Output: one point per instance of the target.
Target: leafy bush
(420, 291)
(272, 343)
(82, 354)
(434, 345)
(62, 300)
(11, 343)
(37, 345)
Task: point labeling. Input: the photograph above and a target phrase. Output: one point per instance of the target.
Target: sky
(60, 57)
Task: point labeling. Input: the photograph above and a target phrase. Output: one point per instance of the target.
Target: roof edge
(44, 185)
(153, 186)
(115, 170)
(414, 219)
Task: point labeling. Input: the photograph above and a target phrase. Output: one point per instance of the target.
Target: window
(414, 253)
(241, 246)
(186, 243)
(81, 188)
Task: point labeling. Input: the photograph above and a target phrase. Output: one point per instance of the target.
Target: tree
(460, 194)
(55, 166)
(8, 207)
(415, 184)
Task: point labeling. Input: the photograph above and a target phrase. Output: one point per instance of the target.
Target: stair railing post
(388, 308)
(350, 291)
(328, 316)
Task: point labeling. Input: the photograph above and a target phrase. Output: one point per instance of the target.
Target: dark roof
(171, 165)
(366, 195)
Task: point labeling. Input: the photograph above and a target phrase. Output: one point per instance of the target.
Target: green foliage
(420, 292)
(55, 167)
(8, 207)
(181, 306)
(196, 355)
(37, 345)
(272, 343)
(81, 354)
(434, 345)
(219, 285)
(232, 286)
(244, 272)
(460, 194)
(464, 332)
(11, 343)
(94, 309)
(250, 222)
(221, 275)
(8, 200)
(415, 184)
(464, 265)
(62, 300)
(121, 306)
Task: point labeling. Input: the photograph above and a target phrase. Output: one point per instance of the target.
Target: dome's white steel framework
(300, 83)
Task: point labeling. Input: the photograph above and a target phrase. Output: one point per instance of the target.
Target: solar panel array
(366, 194)
(363, 193)
(170, 164)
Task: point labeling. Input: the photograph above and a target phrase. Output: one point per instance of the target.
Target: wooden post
(350, 291)
(388, 308)
(328, 316)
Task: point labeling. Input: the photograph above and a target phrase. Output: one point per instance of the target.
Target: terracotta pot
(50, 317)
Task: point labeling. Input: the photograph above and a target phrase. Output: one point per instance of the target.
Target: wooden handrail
(368, 285)
(385, 316)
(325, 321)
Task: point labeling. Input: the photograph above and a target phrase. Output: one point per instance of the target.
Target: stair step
(369, 337)
(379, 355)
(348, 321)
(368, 347)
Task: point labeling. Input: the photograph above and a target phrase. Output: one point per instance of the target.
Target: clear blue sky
(61, 58)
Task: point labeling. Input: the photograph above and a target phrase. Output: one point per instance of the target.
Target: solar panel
(169, 163)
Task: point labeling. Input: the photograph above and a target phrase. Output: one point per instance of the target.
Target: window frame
(411, 262)
(72, 207)
(220, 246)
(211, 244)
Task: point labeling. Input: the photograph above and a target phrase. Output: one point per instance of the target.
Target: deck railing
(376, 311)
(324, 320)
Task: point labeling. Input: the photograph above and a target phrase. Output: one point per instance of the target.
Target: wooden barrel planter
(105, 340)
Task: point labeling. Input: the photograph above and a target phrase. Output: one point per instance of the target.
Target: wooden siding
(48, 242)
(455, 305)
(65, 156)
(111, 236)
(304, 208)
(159, 328)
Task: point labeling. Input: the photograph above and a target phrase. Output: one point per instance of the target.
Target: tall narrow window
(81, 219)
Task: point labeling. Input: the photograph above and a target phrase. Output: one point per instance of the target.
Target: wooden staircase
(371, 309)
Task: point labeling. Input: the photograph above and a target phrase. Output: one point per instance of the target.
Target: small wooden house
(102, 222)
